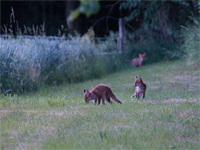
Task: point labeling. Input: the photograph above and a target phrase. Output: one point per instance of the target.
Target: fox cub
(99, 92)
(140, 87)
(137, 62)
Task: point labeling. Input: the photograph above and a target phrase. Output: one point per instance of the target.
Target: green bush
(191, 46)
(156, 49)
(26, 64)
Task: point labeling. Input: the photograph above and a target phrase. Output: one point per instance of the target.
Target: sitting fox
(140, 87)
(137, 62)
(99, 92)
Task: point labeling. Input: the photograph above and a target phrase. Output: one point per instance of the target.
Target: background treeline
(162, 17)
(54, 15)
(162, 29)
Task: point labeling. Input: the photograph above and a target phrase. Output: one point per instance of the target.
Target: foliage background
(162, 17)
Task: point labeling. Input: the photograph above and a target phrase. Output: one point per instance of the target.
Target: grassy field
(57, 117)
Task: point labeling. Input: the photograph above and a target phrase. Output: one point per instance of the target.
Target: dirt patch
(177, 78)
(182, 78)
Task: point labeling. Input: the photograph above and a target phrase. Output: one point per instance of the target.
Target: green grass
(57, 117)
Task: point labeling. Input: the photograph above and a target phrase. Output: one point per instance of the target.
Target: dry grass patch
(182, 100)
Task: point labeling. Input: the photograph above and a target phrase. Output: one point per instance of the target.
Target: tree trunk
(76, 24)
(121, 35)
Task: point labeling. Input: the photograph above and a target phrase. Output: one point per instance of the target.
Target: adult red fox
(140, 87)
(99, 92)
(137, 62)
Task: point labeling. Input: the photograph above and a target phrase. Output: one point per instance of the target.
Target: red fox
(137, 62)
(140, 87)
(99, 92)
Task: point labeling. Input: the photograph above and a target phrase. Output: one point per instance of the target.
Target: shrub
(156, 49)
(191, 46)
(26, 64)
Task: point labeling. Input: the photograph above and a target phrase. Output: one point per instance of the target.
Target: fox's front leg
(99, 100)
(133, 95)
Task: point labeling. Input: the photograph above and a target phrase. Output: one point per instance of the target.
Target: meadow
(56, 117)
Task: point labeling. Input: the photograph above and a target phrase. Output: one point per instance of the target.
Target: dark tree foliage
(162, 17)
(35, 13)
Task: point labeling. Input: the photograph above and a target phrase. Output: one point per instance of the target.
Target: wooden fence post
(121, 35)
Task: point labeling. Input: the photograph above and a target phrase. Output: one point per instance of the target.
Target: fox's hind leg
(95, 101)
(99, 101)
(137, 95)
(107, 99)
(143, 95)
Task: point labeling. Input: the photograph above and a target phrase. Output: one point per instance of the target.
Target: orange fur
(137, 62)
(140, 87)
(99, 92)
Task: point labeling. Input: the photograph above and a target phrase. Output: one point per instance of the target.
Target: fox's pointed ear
(139, 78)
(86, 91)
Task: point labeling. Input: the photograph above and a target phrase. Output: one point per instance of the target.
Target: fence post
(121, 35)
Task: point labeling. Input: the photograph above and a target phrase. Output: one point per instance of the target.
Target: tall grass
(191, 44)
(26, 64)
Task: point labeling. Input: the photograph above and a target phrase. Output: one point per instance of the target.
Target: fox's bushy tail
(116, 99)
